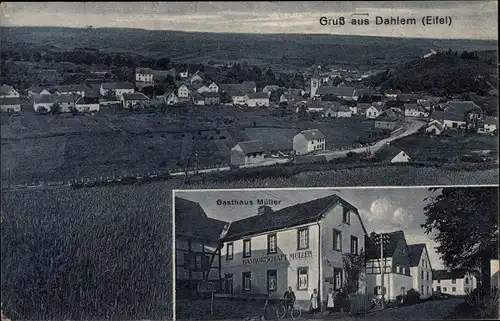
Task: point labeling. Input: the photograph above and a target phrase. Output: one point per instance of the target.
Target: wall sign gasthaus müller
(279, 258)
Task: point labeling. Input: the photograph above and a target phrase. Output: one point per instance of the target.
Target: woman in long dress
(330, 303)
(314, 301)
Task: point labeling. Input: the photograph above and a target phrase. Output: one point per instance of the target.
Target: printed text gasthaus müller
(364, 19)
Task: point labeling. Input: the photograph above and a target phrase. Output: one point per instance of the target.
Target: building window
(422, 289)
(198, 262)
(453, 289)
(354, 245)
(302, 279)
(272, 280)
(444, 289)
(403, 270)
(247, 248)
(247, 281)
(337, 240)
(271, 244)
(346, 217)
(427, 290)
(439, 281)
(398, 269)
(466, 280)
(453, 281)
(303, 238)
(422, 274)
(427, 275)
(377, 290)
(337, 277)
(229, 283)
(230, 251)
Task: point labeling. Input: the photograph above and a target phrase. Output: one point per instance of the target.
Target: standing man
(289, 298)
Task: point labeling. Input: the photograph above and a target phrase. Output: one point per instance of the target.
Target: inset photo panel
(367, 253)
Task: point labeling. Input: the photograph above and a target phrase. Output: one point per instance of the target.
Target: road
(411, 126)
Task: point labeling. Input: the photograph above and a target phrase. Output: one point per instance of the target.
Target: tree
(354, 269)
(465, 225)
(55, 109)
(148, 91)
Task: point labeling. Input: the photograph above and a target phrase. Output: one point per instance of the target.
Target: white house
(7, 91)
(238, 98)
(116, 89)
(453, 282)
(308, 141)
(415, 110)
(183, 92)
(392, 154)
(300, 246)
(44, 103)
(134, 99)
(421, 269)
(213, 87)
(435, 128)
(88, 104)
(10, 104)
(257, 100)
(343, 111)
(203, 89)
(145, 75)
(248, 152)
(395, 265)
(171, 98)
(373, 112)
(184, 74)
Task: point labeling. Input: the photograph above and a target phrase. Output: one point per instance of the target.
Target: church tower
(315, 81)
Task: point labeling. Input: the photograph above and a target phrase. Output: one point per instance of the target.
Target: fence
(360, 303)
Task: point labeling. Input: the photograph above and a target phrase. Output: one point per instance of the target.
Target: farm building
(196, 241)
(372, 112)
(292, 246)
(308, 141)
(248, 152)
(270, 88)
(171, 98)
(488, 125)
(36, 90)
(197, 77)
(44, 103)
(134, 99)
(257, 100)
(10, 104)
(77, 89)
(455, 282)
(421, 269)
(87, 104)
(116, 89)
(183, 91)
(387, 120)
(450, 119)
(347, 93)
(145, 75)
(211, 98)
(7, 91)
(467, 109)
(415, 110)
(435, 128)
(392, 154)
(198, 100)
(290, 98)
(238, 97)
(395, 264)
(67, 102)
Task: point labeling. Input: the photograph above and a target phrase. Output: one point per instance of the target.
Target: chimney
(264, 209)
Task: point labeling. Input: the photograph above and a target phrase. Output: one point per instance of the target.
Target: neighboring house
(290, 98)
(88, 104)
(78, 89)
(67, 102)
(395, 264)
(35, 91)
(257, 100)
(421, 269)
(197, 77)
(469, 110)
(7, 91)
(10, 104)
(183, 92)
(415, 110)
(238, 98)
(347, 93)
(435, 128)
(372, 112)
(198, 100)
(171, 98)
(450, 119)
(387, 120)
(134, 99)
(44, 103)
(300, 246)
(116, 89)
(203, 89)
(196, 241)
(144, 75)
(392, 154)
(308, 141)
(454, 282)
(184, 74)
(249, 86)
(248, 152)
(211, 98)
(270, 88)
(487, 125)
(342, 111)
(213, 87)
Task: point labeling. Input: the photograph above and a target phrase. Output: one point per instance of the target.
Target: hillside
(443, 74)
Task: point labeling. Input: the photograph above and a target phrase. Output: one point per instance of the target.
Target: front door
(228, 283)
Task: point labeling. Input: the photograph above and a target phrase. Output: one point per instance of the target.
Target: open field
(64, 147)
(87, 254)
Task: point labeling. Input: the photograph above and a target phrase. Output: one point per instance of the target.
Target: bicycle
(376, 304)
(284, 308)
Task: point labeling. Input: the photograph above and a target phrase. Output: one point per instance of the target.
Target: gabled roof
(438, 125)
(67, 98)
(5, 89)
(448, 275)
(252, 146)
(416, 107)
(451, 115)
(146, 71)
(210, 94)
(336, 91)
(461, 107)
(257, 96)
(287, 217)
(135, 96)
(341, 108)
(87, 100)
(117, 85)
(44, 99)
(373, 251)
(271, 87)
(415, 253)
(388, 152)
(192, 221)
(71, 88)
(4, 101)
(312, 134)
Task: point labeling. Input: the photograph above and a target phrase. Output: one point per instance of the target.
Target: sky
(470, 19)
(381, 209)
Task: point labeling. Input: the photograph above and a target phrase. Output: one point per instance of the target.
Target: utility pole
(382, 239)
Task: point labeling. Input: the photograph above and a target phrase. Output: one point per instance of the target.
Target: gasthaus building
(299, 246)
